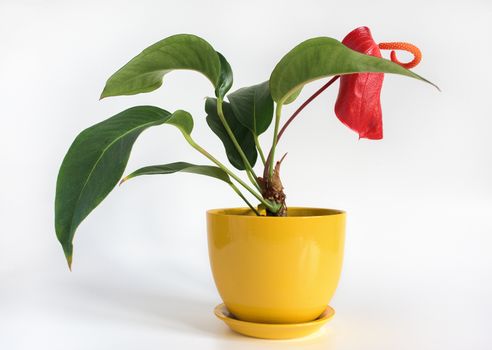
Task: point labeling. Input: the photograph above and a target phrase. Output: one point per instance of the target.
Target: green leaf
(96, 161)
(322, 57)
(182, 120)
(144, 73)
(292, 97)
(184, 167)
(225, 78)
(243, 135)
(253, 107)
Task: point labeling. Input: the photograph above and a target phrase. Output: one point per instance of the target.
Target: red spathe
(358, 104)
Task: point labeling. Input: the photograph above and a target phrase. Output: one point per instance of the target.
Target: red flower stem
(294, 115)
(308, 101)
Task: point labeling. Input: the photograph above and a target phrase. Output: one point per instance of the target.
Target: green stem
(253, 180)
(293, 116)
(260, 151)
(249, 169)
(278, 112)
(234, 187)
(230, 173)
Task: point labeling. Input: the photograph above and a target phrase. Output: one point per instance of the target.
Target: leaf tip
(68, 257)
(105, 92)
(67, 250)
(434, 85)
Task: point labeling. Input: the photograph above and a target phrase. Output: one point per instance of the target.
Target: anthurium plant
(96, 160)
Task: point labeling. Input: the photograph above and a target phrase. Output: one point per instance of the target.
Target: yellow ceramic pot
(276, 269)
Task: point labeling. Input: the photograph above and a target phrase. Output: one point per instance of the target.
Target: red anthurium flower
(358, 104)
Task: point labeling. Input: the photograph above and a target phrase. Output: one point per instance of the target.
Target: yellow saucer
(271, 330)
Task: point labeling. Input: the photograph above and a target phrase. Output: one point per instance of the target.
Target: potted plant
(276, 267)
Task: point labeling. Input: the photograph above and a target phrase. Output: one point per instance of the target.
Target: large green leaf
(243, 135)
(253, 107)
(144, 73)
(95, 163)
(321, 57)
(184, 167)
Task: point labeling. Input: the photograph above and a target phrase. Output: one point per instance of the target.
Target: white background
(418, 264)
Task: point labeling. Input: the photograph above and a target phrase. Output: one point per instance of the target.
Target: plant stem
(270, 158)
(251, 174)
(234, 187)
(252, 179)
(260, 151)
(308, 101)
(223, 167)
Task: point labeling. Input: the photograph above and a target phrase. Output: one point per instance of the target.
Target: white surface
(418, 268)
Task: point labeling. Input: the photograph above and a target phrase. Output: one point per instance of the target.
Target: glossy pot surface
(276, 269)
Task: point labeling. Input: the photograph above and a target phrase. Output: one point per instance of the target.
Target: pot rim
(245, 212)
